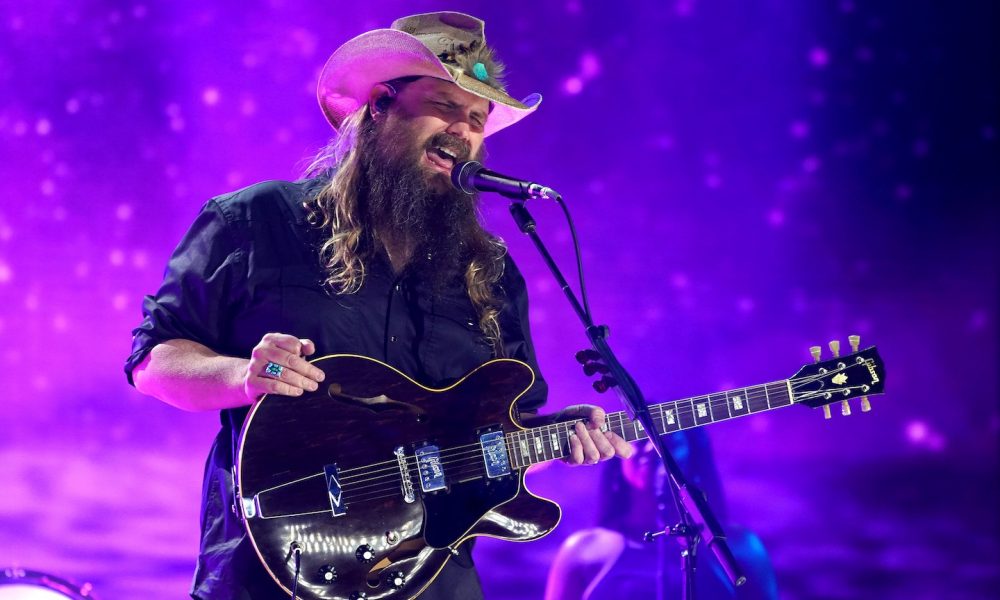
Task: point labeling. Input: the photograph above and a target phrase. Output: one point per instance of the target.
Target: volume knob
(327, 574)
(364, 554)
(396, 580)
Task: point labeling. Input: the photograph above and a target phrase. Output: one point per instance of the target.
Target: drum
(22, 584)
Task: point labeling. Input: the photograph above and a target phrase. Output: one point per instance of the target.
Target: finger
(276, 386)
(257, 369)
(297, 370)
(259, 386)
(622, 448)
(306, 368)
(590, 452)
(596, 417)
(308, 347)
(604, 448)
(575, 449)
(288, 343)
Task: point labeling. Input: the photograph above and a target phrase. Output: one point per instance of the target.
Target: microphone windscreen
(462, 174)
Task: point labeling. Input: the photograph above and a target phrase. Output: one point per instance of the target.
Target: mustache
(456, 145)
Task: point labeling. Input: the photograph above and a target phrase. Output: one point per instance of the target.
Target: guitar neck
(551, 442)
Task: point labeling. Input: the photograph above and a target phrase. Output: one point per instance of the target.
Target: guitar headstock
(856, 375)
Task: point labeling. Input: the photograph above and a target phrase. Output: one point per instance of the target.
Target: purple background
(748, 179)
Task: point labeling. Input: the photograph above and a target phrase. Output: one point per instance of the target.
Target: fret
(617, 422)
(737, 403)
(511, 455)
(557, 451)
(778, 396)
(686, 413)
(669, 417)
(640, 431)
(702, 412)
(714, 401)
(756, 401)
(767, 397)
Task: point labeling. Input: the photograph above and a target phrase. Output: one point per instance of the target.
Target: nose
(460, 128)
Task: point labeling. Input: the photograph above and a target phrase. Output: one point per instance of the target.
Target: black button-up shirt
(249, 266)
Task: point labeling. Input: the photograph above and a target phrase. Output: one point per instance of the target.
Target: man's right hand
(297, 374)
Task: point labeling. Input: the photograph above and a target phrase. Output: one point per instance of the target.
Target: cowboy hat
(446, 45)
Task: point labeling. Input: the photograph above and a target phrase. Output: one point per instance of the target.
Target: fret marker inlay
(737, 403)
(702, 410)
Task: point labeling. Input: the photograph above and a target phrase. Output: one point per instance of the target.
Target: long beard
(403, 200)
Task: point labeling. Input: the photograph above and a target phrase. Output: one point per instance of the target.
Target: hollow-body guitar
(364, 488)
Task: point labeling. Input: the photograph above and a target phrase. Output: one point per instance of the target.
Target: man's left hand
(591, 445)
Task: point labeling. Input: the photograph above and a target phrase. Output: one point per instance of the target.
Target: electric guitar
(364, 488)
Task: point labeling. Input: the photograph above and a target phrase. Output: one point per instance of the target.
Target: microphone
(470, 176)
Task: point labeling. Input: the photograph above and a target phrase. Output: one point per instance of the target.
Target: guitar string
(477, 468)
(560, 430)
(679, 411)
(657, 410)
(474, 448)
(477, 471)
(471, 468)
(473, 459)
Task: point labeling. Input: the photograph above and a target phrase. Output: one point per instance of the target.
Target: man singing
(375, 254)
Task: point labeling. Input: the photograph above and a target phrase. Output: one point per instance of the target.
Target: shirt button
(392, 339)
(398, 287)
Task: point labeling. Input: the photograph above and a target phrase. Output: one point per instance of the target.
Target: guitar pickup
(495, 454)
(429, 468)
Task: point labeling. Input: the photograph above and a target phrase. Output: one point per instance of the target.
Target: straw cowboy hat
(446, 45)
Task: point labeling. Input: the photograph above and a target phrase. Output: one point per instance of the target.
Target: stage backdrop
(748, 179)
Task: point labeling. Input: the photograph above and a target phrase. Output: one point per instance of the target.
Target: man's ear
(380, 98)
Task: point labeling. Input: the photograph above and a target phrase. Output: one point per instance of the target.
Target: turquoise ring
(273, 370)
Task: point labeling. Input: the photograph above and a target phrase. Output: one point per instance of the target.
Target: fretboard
(551, 442)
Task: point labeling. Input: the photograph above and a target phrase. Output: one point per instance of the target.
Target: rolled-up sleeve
(198, 288)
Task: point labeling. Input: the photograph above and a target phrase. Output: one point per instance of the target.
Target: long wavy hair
(337, 209)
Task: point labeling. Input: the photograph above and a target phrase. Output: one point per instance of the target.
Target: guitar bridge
(406, 485)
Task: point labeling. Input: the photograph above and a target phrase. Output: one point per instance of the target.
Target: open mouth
(442, 158)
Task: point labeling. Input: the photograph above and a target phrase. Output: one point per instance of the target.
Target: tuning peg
(854, 341)
(595, 367)
(865, 404)
(835, 347)
(604, 384)
(816, 352)
(585, 356)
(845, 408)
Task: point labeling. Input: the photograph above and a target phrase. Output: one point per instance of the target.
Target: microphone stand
(696, 517)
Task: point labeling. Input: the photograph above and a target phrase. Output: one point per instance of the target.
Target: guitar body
(374, 478)
(366, 486)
